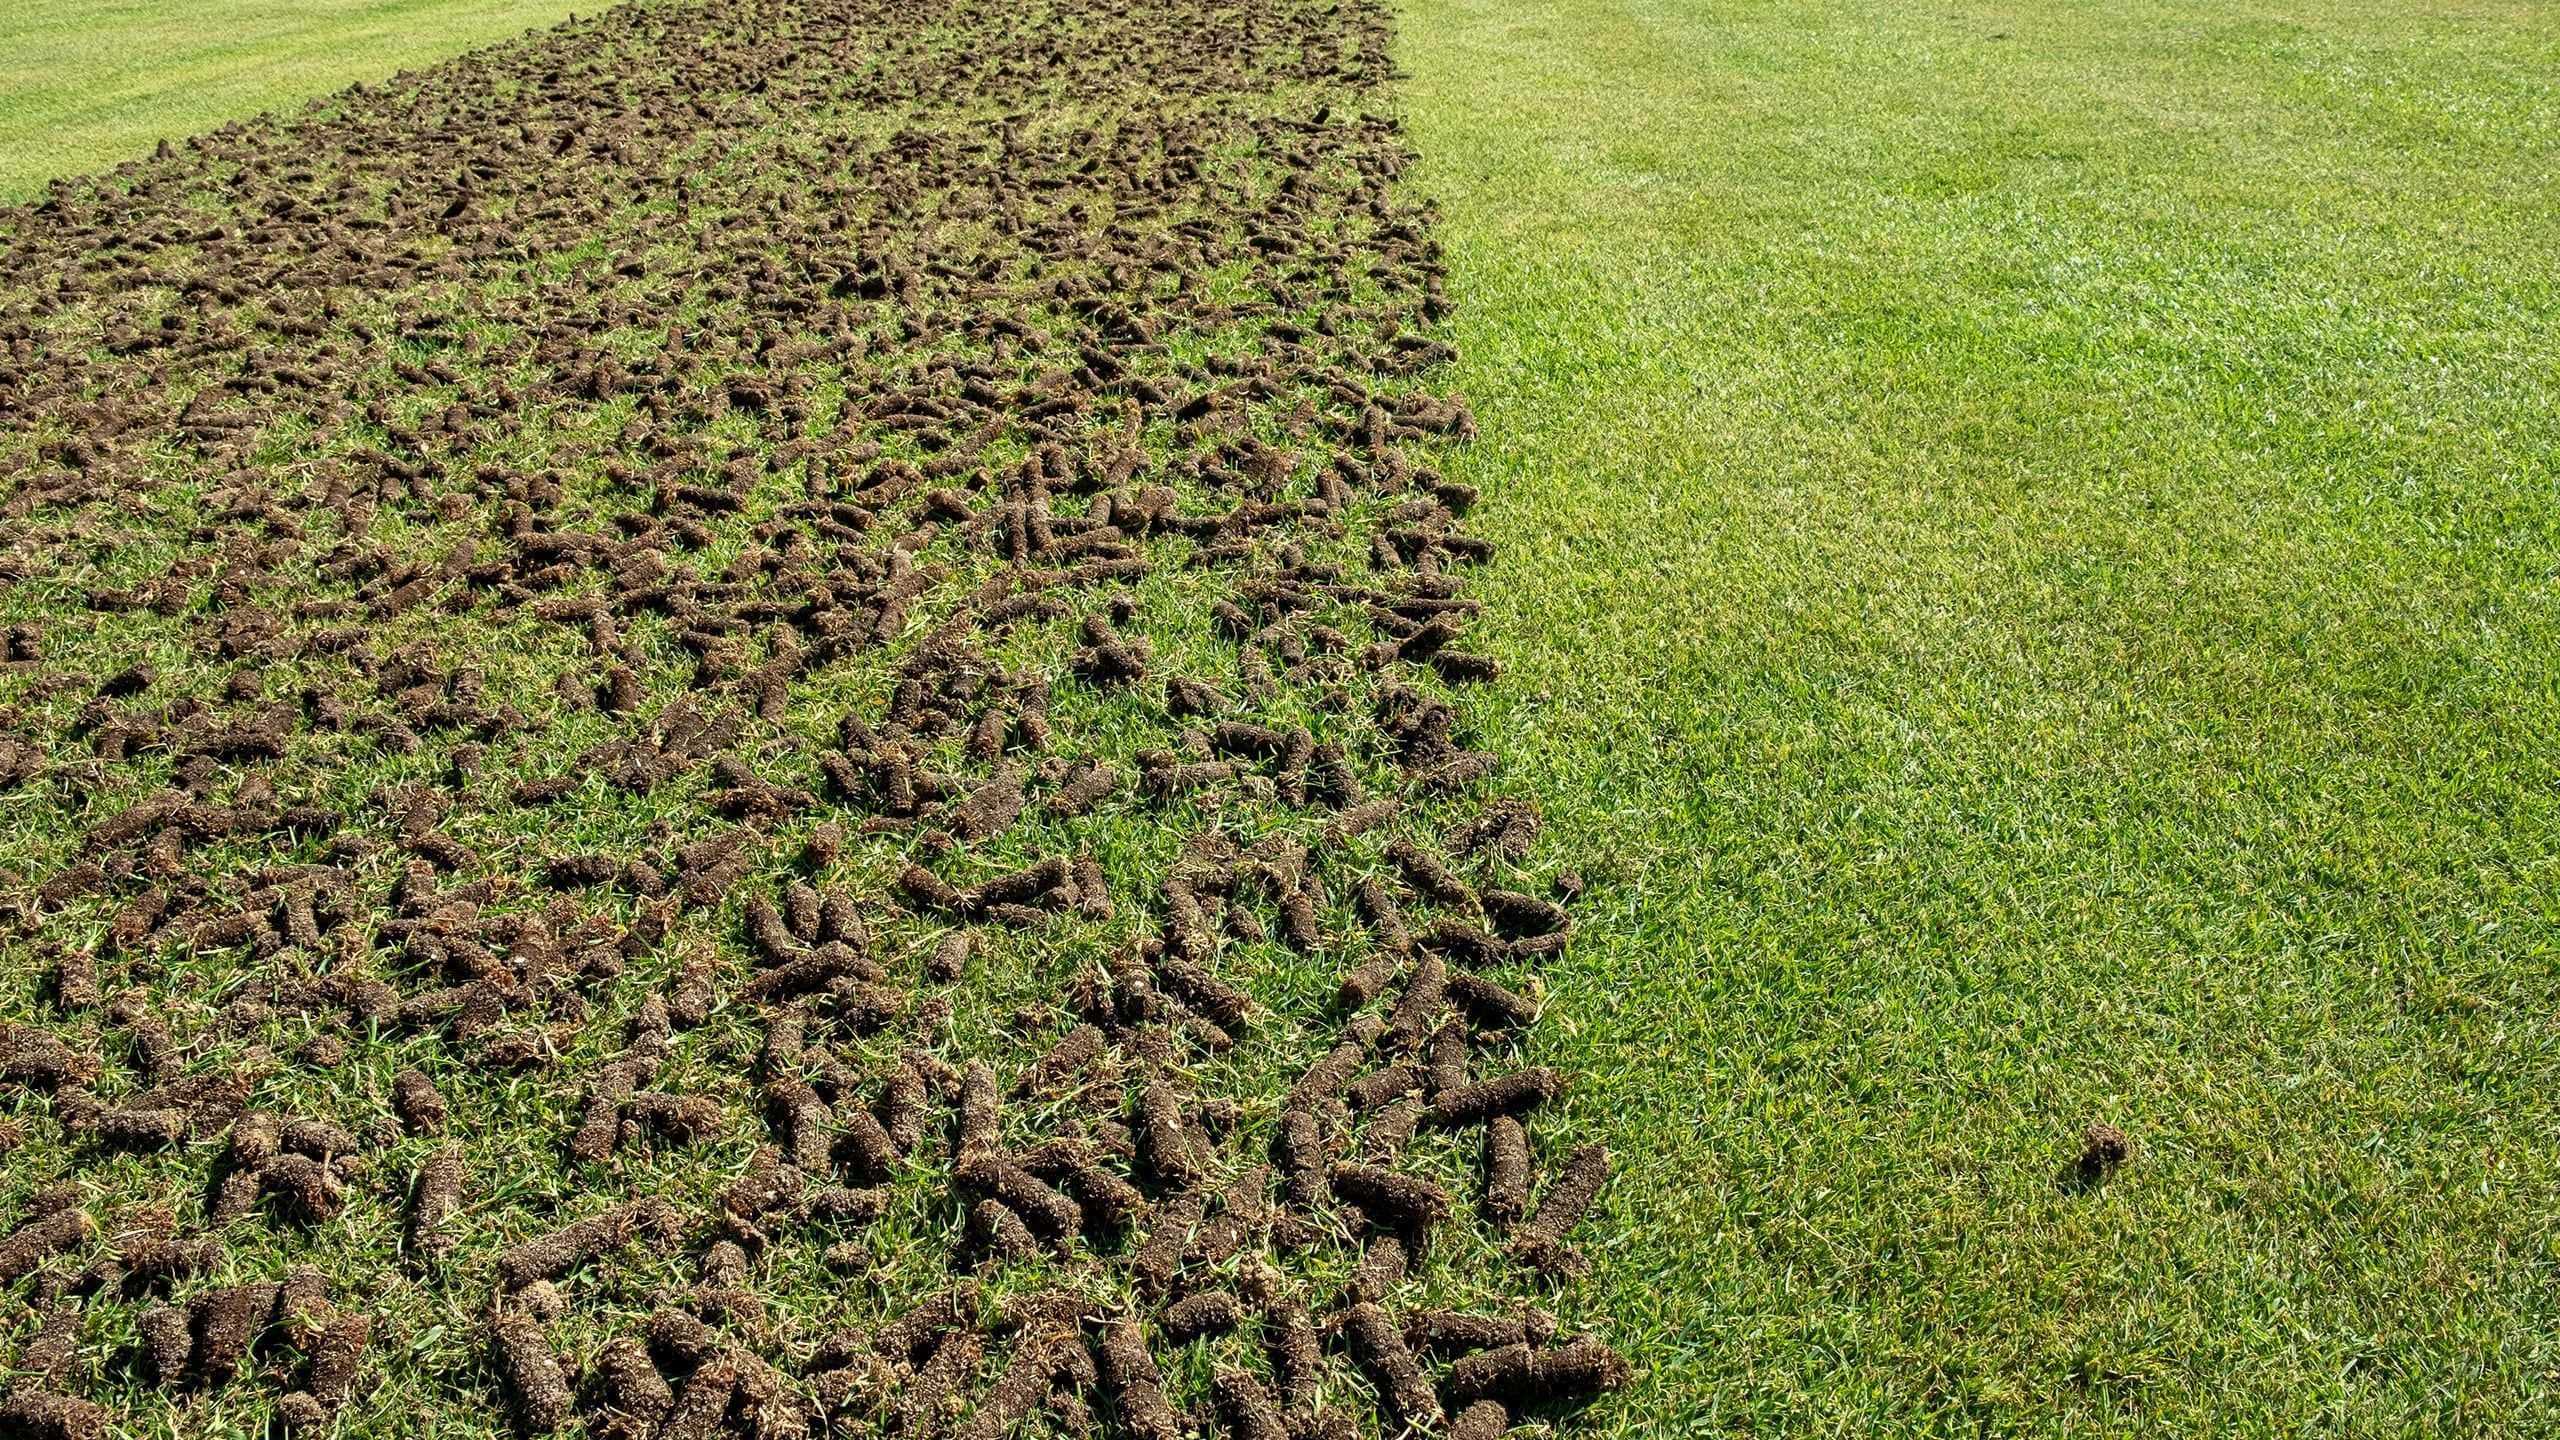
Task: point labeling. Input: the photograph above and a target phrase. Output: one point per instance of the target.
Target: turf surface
(2033, 529)
(85, 83)
(2028, 545)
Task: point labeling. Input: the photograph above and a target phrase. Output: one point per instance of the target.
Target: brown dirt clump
(1541, 1242)
(1577, 1371)
(1379, 1348)
(1483, 1420)
(29, 1244)
(631, 1398)
(532, 1373)
(1129, 1374)
(435, 1199)
(47, 1415)
(2103, 1151)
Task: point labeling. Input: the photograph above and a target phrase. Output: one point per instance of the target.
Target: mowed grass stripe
(85, 83)
(2032, 530)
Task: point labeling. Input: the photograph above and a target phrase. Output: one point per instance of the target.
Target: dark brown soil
(2103, 1151)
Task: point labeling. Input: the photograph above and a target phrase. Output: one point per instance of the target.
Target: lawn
(2028, 582)
(2033, 528)
(85, 83)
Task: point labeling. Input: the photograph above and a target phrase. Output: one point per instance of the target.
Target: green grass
(2029, 583)
(2030, 550)
(85, 83)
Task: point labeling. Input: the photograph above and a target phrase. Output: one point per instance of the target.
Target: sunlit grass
(2030, 541)
(85, 83)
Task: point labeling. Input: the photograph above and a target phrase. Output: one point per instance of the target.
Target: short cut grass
(86, 83)
(2030, 539)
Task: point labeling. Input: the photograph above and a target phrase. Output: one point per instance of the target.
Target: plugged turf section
(737, 722)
